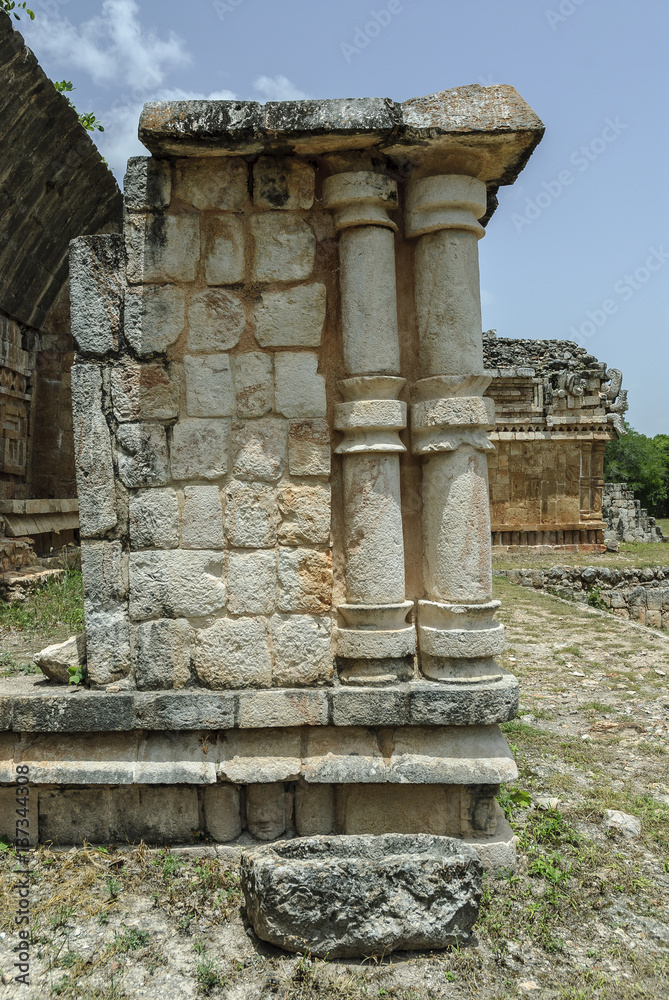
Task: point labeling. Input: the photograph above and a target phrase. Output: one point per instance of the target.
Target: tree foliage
(643, 463)
(11, 8)
(88, 119)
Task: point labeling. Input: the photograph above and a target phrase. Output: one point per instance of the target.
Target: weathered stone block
(314, 810)
(251, 515)
(216, 320)
(289, 707)
(253, 379)
(104, 567)
(70, 816)
(309, 448)
(144, 392)
(162, 247)
(383, 809)
(284, 247)
(147, 184)
(305, 513)
(107, 646)
(299, 389)
(172, 759)
(93, 454)
(200, 448)
(202, 518)
(305, 580)
(283, 183)
(142, 455)
(290, 318)
(222, 816)
(174, 583)
(154, 519)
(259, 448)
(154, 317)
(97, 279)
(252, 582)
(162, 658)
(219, 183)
(55, 661)
(345, 897)
(233, 653)
(154, 814)
(302, 650)
(209, 391)
(29, 836)
(250, 757)
(265, 810)
(224, 262)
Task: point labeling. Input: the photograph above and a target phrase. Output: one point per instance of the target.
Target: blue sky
(579, 247)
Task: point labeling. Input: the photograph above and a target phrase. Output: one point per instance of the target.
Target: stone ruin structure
(54, 186)
(556, 406)
(626, 520)
(278, 357)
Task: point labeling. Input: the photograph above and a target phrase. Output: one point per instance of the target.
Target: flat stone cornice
(489, 132)
(318, 755)
(31, 706)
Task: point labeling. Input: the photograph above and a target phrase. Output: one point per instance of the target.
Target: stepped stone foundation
(282, 438)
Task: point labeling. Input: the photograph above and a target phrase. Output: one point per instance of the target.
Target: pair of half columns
(457, 634)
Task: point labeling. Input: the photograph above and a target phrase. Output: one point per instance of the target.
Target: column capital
(445, 201)
(361, 198)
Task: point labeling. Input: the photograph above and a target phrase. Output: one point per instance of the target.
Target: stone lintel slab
(403, 755)
(30, 705)
(486, 131)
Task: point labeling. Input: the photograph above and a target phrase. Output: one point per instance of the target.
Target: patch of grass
(10, 667)
(207, 975)
(56, 605)
(132, 939)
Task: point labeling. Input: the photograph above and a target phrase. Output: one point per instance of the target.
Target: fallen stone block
(346, 897)
(54, 661)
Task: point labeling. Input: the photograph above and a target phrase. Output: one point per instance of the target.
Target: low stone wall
(626, 520)
(640, 595)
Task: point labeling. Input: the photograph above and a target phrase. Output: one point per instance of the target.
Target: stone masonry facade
(556, 407)
(281, 439)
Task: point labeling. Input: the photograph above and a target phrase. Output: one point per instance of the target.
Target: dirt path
(585, 917)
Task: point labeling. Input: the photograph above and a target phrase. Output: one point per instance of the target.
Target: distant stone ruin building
(54, 186)
(556, 407)
(626, 520)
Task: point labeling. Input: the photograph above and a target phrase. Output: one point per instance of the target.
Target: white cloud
(111, 47)
(121, 56)
(278, 88)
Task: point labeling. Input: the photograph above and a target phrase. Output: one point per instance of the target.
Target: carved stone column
(457, 634)
(374, 642)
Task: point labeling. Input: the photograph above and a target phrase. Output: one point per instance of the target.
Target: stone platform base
(246, 814)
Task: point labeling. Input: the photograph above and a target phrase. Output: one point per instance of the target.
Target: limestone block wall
(640, 595)
(626, 521)
(209, 430)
